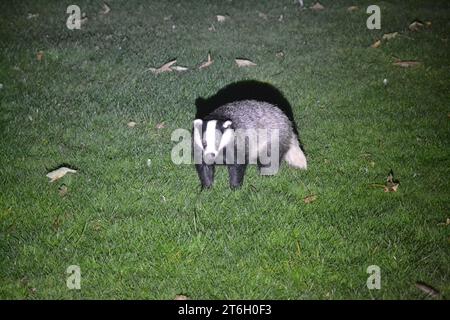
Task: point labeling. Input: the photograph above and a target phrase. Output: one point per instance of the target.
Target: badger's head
(211, 137)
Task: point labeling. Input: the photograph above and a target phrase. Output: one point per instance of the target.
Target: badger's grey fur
(223, 129)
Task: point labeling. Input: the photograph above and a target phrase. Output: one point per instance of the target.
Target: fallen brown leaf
(352, 8)
(376, 44)
(406, 64)
(317, 7)
(131, 124)
(160, 125)
(389, 36)
(40, 55)
(446, 223)
(262, 15)
(244, 63)
(32, 15)
(432, 292)
(164, 68)
(221, 18)
(415, 25)
(392, 188)
(310, 198)
(279, 54)
(181, 297)
(391, 184)
(106, 9)
(207, 63)
(59, 173)
(179, 68)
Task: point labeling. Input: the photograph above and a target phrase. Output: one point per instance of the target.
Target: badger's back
(252, 114)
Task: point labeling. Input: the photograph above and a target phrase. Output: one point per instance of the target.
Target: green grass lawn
(146, 231)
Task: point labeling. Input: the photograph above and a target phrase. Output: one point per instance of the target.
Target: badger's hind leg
(295, 156)
(269, 159)
(269, 169)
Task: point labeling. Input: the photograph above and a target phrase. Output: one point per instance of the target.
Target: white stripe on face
(197, 133)
(210, 137)
(227, 137)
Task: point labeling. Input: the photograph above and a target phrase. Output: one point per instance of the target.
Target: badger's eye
(204, 143)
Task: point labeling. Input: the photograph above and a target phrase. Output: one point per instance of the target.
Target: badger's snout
(210, 157)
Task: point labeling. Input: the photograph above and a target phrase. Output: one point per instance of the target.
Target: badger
(244, 132)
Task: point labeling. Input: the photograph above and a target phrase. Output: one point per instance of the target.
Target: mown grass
(140, 231)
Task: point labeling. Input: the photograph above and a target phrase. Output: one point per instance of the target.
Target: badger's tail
(295, 156)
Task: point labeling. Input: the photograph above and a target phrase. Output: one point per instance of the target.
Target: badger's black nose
(210, 157)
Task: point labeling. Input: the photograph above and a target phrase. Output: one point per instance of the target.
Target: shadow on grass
(246, 90)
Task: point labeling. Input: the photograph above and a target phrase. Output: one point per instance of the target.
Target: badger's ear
(198, 123)
(227, 124)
